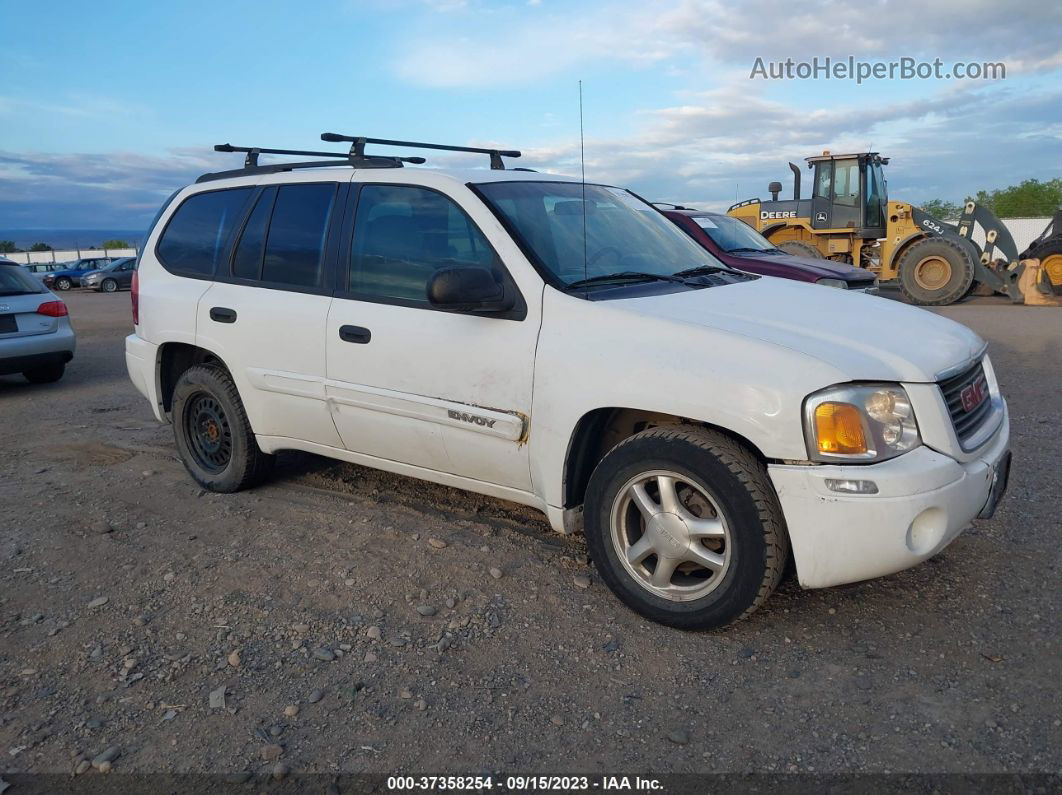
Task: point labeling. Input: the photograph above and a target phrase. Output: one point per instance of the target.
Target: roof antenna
(582, 166)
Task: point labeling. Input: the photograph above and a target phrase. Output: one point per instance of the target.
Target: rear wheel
(109, 285)
(934, 271)
(1049, 252)
(799, 249)
(45, 375)
(684, 527)
(62, 283)
(213, 435)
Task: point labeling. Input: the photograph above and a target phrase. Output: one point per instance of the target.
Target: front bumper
(925, 499)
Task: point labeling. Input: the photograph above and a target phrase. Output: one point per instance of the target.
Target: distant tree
(8, 247)
(115, 244)
(941, 209)
(40, 247)
(1030, 199)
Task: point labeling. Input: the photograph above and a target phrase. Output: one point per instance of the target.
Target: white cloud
(460, 51)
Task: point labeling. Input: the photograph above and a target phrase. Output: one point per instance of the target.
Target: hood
(821, 268)
(865, 337)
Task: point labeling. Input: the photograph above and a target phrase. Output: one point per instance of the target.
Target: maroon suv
(742, 247)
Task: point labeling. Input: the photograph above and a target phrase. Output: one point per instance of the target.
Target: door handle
(222, 314)
(355, 334)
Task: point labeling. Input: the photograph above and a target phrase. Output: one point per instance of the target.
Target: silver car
(36, 338)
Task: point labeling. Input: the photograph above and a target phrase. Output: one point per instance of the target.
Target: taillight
(52, 309)
(134, 294)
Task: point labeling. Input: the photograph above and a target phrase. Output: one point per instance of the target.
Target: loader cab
(849, 192)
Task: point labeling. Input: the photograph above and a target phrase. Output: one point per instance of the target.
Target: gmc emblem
(972, 396)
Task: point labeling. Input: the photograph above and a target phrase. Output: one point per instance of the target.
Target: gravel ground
(340, 619)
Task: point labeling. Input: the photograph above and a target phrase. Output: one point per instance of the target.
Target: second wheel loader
(849, 217)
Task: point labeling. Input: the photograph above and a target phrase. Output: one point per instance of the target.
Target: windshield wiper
(626, 276)
(753, 250)
(16, 292)
(700, 270)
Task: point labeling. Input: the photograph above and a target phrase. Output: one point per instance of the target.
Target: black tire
(935, 271)
(48, 374)
(63, 283)
(737, 482)
(798, 249)
(109, 286)
(213, 435)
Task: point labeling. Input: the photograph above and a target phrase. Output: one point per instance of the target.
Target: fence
(68, 255)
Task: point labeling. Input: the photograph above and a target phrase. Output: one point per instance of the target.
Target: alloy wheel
(670, 535)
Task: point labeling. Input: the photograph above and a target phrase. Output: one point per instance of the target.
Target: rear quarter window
(197, 236)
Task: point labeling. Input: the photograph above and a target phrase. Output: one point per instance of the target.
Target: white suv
(564, 346)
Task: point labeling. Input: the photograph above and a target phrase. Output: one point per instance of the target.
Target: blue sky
(107, 107)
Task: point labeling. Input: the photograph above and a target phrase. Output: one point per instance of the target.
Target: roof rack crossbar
(251, 160)
(357, 148)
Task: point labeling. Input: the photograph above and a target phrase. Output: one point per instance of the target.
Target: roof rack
(251, 165)
(357, 148)
(355, 158)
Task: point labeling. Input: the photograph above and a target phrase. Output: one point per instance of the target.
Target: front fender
(592, 355)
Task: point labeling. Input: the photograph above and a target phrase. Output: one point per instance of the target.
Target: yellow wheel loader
(849, 218)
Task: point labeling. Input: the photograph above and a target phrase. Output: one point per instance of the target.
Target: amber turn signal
(839, 429)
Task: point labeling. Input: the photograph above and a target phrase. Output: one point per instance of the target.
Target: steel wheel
(209, 432)
(670, 535)
(932, 273)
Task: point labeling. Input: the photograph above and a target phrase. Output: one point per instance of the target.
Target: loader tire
(798, 249)
(935, 271)
(1049, 252)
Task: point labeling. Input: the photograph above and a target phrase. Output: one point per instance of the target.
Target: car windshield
(15, 281)
(623, 234)
(730, 234)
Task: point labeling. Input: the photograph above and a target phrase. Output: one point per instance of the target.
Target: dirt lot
(354, 623)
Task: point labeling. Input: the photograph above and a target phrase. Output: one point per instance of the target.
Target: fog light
(852, 486)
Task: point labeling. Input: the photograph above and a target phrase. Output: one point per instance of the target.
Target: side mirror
(467, 289)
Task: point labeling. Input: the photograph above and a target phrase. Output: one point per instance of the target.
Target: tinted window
(195, 238)
(295, 242)
(247, 262)
(15, 281)
(402, 235)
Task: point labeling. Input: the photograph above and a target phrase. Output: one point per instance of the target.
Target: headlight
(865, 423)
(833, 283)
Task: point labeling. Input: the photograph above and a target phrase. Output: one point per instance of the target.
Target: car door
(125, 273)
(266, 310)
(447, 391)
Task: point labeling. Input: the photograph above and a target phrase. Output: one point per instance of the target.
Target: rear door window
(284, 240)
(197, 236)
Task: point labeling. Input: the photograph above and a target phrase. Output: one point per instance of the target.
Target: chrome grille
(967, 423)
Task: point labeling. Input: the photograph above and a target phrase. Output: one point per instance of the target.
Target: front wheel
(109, 285)
(935, 271)
(62, 283)
(685, 528)
(213, 435)
(799, 249)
